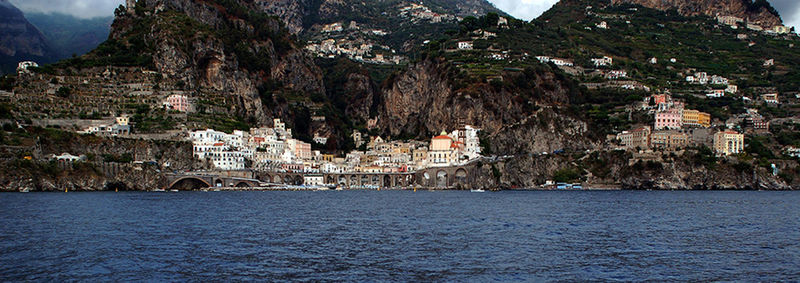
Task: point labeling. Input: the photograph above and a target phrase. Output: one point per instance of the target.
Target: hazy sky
(524, 9)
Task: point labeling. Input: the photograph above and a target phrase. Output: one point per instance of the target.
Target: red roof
(219, 144)
(442, 137)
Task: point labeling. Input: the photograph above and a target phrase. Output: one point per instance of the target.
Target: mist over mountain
(68, 35)
(19, 39)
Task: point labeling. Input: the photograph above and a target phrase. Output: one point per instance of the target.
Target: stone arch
(276, 179)
(298, 180)
(441, 179)
(265, 178)
(461, 176)
(189, 183)
(113, 186)
(376, 180)
(353, 180)
(364, 180)
(288, 180)
(342, 180)
(243, 185)
(219, 183)
(330, 180)
(387, 181)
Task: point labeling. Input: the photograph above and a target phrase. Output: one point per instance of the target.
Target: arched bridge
(190, 181)
(457, 177)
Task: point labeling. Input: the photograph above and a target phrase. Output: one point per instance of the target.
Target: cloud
(84, 9)
(524, 9)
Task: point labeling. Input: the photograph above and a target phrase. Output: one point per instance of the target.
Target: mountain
(68, 35)
(19, 39)
(300, 15)
(408, 70)
(759, 12)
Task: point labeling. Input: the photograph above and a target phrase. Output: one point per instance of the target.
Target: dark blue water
(400, 236)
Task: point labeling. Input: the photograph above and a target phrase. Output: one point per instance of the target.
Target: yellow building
(728, 142)
(696, 118)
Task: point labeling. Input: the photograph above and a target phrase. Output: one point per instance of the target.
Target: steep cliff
(216, 48)
(425, 99)
(759, 12)
(19, 39)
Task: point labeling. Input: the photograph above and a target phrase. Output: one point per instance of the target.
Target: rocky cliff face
(759, 12)
(299, 15)
(423, 101)
(95, 173)
(19, 39)
(214, 50)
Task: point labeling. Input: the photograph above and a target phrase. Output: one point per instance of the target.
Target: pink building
(672, 120)
(177, 102)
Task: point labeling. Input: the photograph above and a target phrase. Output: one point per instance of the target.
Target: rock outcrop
(189, 44)
(423, 100)
(758, 12)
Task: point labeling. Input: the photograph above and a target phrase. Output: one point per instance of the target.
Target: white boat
(477, 191)
(174, 191)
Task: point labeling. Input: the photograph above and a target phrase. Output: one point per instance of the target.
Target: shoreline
(320, 189)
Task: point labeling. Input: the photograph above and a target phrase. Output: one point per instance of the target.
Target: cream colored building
(728, 142)
(637, 138)
(669, 140)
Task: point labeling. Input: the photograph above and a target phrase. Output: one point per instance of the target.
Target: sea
(423, 236)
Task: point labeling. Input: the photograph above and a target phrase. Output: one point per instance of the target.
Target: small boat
(477, 191)
(159, 190)
(174, 191)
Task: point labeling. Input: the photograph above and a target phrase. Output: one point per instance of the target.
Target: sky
(523, 9)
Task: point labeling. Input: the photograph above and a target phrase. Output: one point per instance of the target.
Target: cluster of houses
(725, 143)
(422, 13)
(737, 22)
(358, 51)
(120, 127)
(274, 149)
(669, 131)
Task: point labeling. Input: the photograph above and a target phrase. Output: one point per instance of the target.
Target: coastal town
(344, 102)
(275, 150)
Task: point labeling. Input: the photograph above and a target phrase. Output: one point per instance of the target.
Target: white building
(616, 74)
(219, 154)
(601, 62)
(465, 45)
(313, 180)
(23, 66)
(716, 93)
